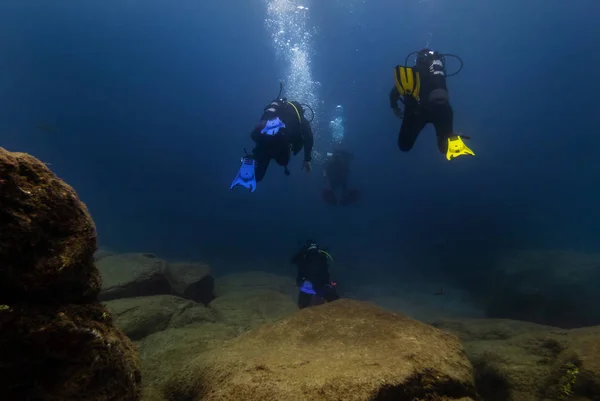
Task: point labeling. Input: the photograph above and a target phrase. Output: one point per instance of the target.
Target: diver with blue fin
(313, 278)
(423, 91)
(282, 130)
(246, 176)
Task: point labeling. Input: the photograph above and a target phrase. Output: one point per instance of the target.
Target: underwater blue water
(146, 107)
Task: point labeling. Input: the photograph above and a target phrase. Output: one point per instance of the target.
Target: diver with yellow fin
(423, 91)
(282, 130)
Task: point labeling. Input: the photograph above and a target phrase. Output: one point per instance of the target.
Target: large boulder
(512, 360)
(67, 353)
(142, 316)
(249, 308)
(56, 341)
(133, 275)
(192, 280)
(47, 237)
(577, 370)
(524, 361)
(165, 352)
(343, 350)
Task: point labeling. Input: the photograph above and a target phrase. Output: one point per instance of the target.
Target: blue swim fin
(245, 177)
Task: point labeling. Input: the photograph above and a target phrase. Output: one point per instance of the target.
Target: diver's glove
(398, 113)
(245, 176)
(306, 165)
(456, 147)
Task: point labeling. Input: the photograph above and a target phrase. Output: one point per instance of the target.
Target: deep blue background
(145, 108)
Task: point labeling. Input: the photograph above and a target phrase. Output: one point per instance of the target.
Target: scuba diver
(313, 278)
(423, 91)
(283, 129)
(336, 170)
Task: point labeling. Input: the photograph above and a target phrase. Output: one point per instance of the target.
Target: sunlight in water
(287, 20)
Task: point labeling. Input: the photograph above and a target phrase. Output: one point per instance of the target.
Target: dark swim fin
(350, 197)
(246, 177)
(407, 81)
(329, 196)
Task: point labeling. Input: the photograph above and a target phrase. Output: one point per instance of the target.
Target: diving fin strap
(456, 147)
(245, 176)
(408, 81)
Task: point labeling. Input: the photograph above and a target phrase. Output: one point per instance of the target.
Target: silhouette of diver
(336, 169)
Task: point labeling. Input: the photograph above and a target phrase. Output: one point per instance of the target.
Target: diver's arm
(296, 258)
(308, 140)
(394, 96)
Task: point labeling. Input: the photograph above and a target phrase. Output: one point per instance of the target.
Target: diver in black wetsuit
(313, 276)
(336, 169)
(282, 129)
(428, 102)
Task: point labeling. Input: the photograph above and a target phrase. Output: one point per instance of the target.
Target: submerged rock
(47, 237)
(133, 275)
(524, 361)
(576, 372)
(165, 352)
(67, 353)
(246, 309)
(344, 350)
(141, 316)
(56, 341)
(192, 280)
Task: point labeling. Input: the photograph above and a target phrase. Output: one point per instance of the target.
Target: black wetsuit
(313, 266)
(434, 106)
(337, 170)
(296, 135)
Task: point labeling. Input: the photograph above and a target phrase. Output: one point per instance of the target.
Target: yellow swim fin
(407, 81)
(456, 147)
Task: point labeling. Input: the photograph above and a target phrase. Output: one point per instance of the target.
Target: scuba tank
(431, 63)
(431, 67)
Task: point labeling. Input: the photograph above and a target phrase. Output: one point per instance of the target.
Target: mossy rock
(47, 237)
(141, 316)
(67, 353)
(342, 350)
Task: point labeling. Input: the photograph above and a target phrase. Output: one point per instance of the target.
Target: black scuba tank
(431, 63)
(431, 66)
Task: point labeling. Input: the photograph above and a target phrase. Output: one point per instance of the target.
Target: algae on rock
(56, 341)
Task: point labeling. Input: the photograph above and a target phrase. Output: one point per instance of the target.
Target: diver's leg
(344, 184)
(262, 159)
(413, 123)
(332, 183)
(328, 194)
(443, 121)
(304, 300)
(283, 155)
